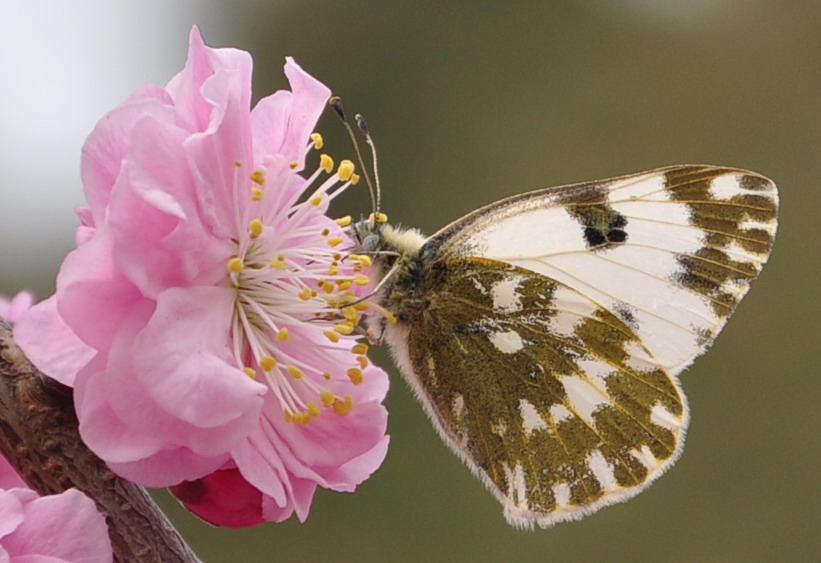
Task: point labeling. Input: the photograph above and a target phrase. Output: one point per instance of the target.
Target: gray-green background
(470, 102)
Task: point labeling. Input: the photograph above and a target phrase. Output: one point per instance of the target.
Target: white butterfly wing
(670, 251)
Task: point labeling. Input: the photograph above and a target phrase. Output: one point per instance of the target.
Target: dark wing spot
(594, 237)
(602, 226)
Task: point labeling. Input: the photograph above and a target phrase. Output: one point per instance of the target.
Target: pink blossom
(65, 527)
(206, 319)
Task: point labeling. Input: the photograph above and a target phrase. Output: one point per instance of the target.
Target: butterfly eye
(370, 243)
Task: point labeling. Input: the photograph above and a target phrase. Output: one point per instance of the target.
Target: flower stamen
(277, 310)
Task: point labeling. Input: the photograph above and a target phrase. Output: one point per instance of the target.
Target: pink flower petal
(65, 527)
(11, 513)
(103, 429)
(109, 143)
(324, 449)
(283, 121)
(160, 241)
(93, 295)
(183, 358)
(12, 310)
(50, 344)
(168, 467)
(222, 152)
(193, 111)
(302, 495)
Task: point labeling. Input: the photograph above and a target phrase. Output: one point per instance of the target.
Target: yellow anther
(355, 375)
(313, 409)
(326, 375)
(351, 315)
(316, 200)
(333, 269)
(256, 228)
(345, 170)
(344, 221)
(295, 372)
(363, 361)
(380, 218)
(343, 406)
(256, 193)
(282, 335)
(335, 241)
(344, 284)
(326, 231)
(293, 165)
(391, 317)
(267, 363)
(344, 328)
(306, 294)
(318, 141)
(331, 335)
(363, 259)
(326, 163)
(237, 163)
(328, 287)
(363, 306)
(281, 257)
(360, 348)
(289, 417)
(361, 279)
(327, 398)
(278, 264)
(235, 265)
(258, 177)
(250, 372)
(355, 179)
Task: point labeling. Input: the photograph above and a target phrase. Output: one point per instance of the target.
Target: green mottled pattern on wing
(480, 390)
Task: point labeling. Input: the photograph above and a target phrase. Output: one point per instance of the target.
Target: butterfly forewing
(550, 398)
(671, 251)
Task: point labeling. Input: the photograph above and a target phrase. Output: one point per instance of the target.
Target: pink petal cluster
(65, 527)
(54, 528)
(199, 319)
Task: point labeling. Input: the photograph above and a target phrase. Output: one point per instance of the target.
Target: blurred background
(471, 102)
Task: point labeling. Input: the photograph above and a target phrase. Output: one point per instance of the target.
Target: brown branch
(38, 435)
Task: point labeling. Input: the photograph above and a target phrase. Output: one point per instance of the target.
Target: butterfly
(544, 334)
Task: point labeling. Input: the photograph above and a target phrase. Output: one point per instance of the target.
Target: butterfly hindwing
(549, 398)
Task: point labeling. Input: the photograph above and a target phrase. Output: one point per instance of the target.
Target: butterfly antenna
(363, 126)
(336, 103)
